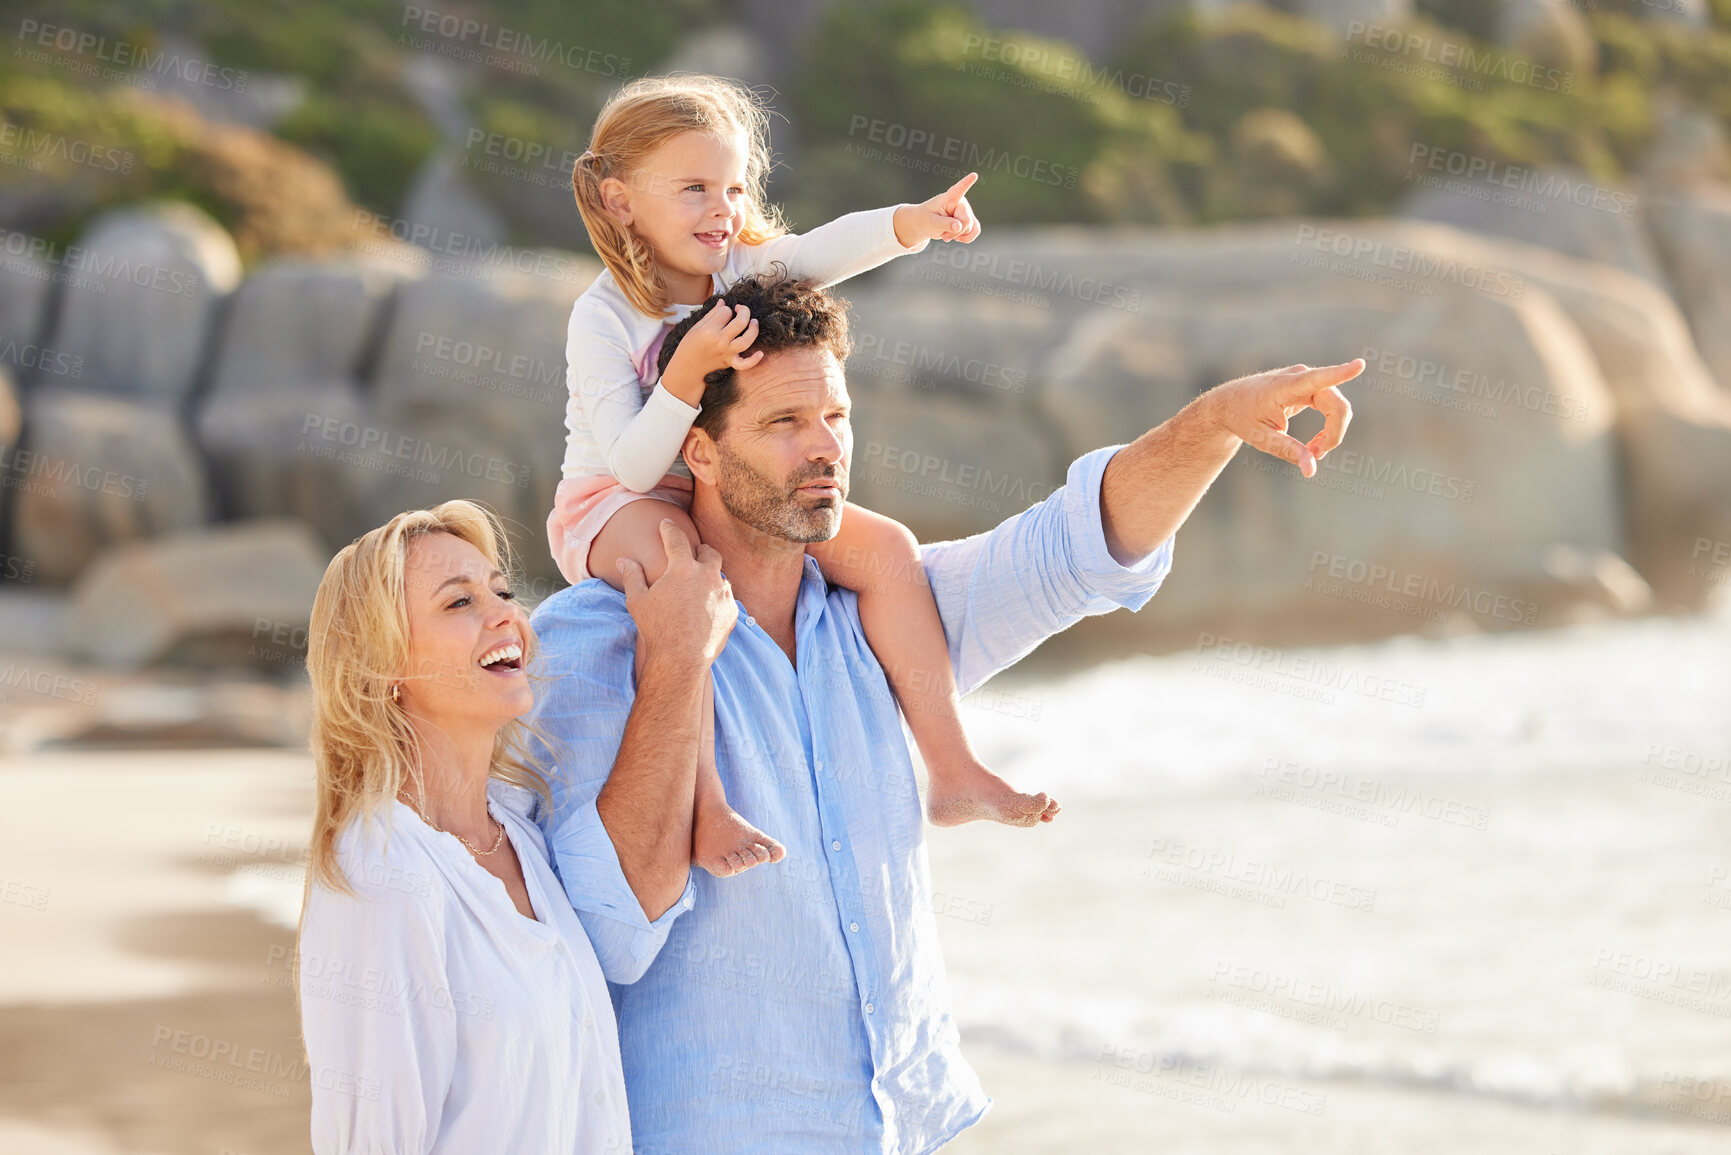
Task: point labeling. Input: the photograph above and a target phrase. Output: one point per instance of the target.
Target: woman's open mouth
(505, 659)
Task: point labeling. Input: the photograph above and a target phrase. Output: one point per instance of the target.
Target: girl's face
(687, 203)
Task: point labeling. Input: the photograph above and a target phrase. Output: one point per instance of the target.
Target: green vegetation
(1252, 113)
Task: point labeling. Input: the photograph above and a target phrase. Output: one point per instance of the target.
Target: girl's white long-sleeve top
(438, 1019)
(618, 421)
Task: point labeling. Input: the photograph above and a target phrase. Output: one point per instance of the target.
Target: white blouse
(439, 1019)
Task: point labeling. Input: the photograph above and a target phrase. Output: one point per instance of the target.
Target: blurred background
(1395, 822)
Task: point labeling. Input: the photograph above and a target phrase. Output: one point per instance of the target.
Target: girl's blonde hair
(364, 749)
(637, 120)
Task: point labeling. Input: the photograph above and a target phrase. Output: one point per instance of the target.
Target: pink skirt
(582, 505)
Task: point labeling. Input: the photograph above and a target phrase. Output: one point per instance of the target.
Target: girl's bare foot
(968, 792)
(724, 844)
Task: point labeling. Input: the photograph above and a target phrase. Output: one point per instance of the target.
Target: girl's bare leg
(879, 560)
(722, 842)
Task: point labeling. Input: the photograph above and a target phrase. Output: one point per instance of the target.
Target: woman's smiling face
(468, 638)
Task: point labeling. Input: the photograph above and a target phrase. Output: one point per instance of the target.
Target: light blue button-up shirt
(802, 1006)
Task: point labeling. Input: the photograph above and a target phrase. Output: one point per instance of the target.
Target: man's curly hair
(790, 314)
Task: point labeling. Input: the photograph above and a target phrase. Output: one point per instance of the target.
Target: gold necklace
(473, 849)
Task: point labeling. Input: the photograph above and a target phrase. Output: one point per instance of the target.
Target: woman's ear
(616, 199)
(700, 456)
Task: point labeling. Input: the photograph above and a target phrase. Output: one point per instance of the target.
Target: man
(801, 1006)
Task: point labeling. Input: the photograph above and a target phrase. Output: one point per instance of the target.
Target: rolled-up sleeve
(1003, 592)
(582, 702)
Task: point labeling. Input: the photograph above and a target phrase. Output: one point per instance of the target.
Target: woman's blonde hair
(364, 749)
(637, 120)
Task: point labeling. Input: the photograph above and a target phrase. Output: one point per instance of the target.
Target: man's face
(782, 458)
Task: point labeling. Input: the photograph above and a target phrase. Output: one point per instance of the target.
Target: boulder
(95, 471)
(471, 384)
(948, 468)
(287, 385)
(223, 595)
(1481, 433)
(1589, 375)
(139, 305)
(1549, 33)
(1561, 209)
(24, 295)
(931, 342)
(1692, 229)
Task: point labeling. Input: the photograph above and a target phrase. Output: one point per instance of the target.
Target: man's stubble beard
(756, 500)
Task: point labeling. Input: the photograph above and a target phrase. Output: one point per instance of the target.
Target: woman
(450, 1000)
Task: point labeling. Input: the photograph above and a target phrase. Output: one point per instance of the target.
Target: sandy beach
(1288, 912)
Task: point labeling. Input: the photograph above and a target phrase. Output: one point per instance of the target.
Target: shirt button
(836, 845)
(600, 1098)
(869, 1008)
(558, 948)
(589, 1022)
(820, 765)
(688, 902)
(853, 926)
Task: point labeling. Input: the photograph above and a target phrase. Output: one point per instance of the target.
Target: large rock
(222, 595)
(140, 303)
(1693, 231)
(948, 468)
(1510, 367)
(24, 294)
(1562, 209)
(929, 341)
(1453, 471)
(287, 384)
(471, 385)
(95, 471)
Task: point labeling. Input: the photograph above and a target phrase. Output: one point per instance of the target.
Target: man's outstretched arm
(1151, 485)
(1104, 540)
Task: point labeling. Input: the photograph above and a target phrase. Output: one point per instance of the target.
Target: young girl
(670, 190)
